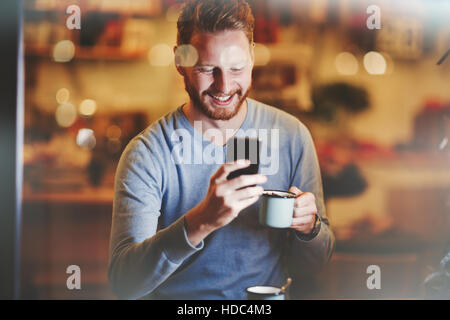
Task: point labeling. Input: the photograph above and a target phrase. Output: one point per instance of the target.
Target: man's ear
(180, 69)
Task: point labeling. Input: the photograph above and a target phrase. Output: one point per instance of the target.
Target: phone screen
(244, 148)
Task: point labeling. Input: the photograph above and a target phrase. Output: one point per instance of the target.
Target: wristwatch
(314, 232)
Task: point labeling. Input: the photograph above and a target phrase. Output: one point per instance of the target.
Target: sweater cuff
(177, 247)
(308, 240)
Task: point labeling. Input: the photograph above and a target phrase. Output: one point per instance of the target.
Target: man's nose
(222, 81)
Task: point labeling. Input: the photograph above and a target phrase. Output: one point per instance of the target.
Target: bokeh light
(86, 138)
(186, 55)
(63, 51)
(62, 95)
(113, 132)
(160, 55)
(346, 64)
(374, 63)
(66, 114)
(87, 107)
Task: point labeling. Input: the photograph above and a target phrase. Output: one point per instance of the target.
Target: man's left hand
(305, 211)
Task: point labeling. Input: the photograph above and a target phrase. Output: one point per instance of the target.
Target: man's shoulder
(275, 116)
(163, 124)
(152, 137)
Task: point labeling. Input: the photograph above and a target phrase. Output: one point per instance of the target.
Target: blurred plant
(328, 99)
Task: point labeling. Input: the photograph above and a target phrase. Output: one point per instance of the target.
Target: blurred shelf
(95, 53)
(125, 7)
(89, 195)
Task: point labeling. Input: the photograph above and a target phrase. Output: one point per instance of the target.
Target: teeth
(221, 98)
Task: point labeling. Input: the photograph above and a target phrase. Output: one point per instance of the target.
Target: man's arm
(141, 258)
(311, 250)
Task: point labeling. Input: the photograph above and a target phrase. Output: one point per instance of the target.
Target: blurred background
(375, 100)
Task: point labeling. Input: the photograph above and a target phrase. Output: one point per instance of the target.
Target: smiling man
(185, 231)
(219, 83)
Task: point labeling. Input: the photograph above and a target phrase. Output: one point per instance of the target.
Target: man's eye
(237, 69)
(203, 70)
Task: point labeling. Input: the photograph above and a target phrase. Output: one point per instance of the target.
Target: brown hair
(213, 16)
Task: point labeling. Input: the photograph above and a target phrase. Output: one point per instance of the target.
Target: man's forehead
(210, 40)
(227, 33)
(229, 48)
(232, 57)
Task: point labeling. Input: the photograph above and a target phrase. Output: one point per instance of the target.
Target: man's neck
(224, 126)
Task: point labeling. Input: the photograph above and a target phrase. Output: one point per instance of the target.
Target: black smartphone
(244, 148)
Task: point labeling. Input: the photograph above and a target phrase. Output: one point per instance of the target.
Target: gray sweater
(164, 172)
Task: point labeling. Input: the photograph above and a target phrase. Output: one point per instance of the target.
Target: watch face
(316, 225)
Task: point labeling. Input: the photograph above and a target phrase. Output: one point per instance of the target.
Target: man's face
(220, 80)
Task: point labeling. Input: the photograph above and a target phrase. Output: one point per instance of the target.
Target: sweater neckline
(199, 136)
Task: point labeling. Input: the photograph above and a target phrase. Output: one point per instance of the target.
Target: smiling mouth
(221, 100)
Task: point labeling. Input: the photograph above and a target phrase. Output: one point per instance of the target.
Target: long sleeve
(141, 257)
(308, 255)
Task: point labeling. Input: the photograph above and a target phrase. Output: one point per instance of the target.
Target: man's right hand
(224, 201)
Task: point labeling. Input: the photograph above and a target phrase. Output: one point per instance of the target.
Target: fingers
(304, 211)
(247, 202)
(227, 168)
(243, 198)
(295, 190)
(305, 199)
(246, 180)
(305, 229)
(303, 220)
(248, 192)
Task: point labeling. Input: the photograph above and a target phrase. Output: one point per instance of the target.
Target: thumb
(295, 190)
